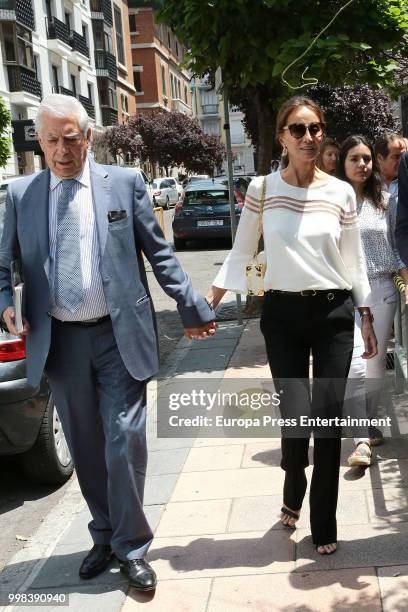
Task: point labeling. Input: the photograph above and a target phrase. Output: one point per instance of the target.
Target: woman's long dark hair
(373, 186)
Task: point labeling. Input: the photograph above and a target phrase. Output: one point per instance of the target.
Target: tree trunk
(266, 116)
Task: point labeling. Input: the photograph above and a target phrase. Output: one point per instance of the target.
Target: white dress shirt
(94, 304)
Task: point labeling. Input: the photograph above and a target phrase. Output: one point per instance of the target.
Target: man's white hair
(58, 105)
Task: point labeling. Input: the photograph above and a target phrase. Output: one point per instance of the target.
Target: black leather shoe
(141, 575)
(96, 561)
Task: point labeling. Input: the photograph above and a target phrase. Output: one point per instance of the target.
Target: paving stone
(194, 518)
(206, 360)
(85, 598)
(262, 453)
(213, 458)
(345, 590)
(263, 512)
(186, 596)
(393, 581)
(166, 461)
(228, 483)
(387, 506)
(158, 489)
(359, 546)
(181, 558)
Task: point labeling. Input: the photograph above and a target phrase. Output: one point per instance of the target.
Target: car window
(207, 197)
(155, 184)
(165, 184)
(172, 182)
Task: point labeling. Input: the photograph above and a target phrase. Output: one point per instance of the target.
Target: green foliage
(254, 41)
(5, 141)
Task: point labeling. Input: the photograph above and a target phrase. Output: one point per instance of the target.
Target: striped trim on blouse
(282, 202)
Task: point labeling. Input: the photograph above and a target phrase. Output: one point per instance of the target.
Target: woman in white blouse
(377, 215)
(314, 266)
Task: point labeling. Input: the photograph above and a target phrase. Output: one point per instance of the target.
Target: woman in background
(329, 152)
(377, 215)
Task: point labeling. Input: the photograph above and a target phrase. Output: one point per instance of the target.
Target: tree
(254, 42)
(349, 110)
(165, 138)
(5, 122)
(355, 110)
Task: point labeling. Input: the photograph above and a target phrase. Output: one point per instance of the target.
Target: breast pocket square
(116, 215)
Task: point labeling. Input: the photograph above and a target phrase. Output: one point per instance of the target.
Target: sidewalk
(214, 505)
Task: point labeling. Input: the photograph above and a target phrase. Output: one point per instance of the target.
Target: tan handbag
(256, 268)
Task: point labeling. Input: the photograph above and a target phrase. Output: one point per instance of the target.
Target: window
(163, 76)
(138, 81)
(132, 23)
(177, 49)
(169, 39)
(172, 86)
(90, 92)
(97, 27)
(68, 20)
(55, 77)
(85, 34)
(124, 103)
(73, 84)
(179, 89)
(119, 35)
(48, 9)
(185, 93)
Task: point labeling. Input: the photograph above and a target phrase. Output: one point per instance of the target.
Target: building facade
(209, 109)
(159, 80)
(64, 47)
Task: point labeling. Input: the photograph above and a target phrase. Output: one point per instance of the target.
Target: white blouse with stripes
(311, 237)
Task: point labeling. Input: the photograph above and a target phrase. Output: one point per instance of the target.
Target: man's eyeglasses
(298, 130)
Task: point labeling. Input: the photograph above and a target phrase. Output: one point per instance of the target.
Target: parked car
(204, 212)
(164, 194)
(195, 177)
(174, 182)
(29, 422)
(148, 184)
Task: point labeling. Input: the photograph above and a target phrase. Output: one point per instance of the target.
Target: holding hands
(205, 331)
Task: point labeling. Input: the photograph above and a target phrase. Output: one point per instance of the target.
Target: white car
(6, 182)
(173, 181)
(164, 194)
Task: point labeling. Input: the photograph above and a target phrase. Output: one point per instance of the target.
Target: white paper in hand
(18, 299)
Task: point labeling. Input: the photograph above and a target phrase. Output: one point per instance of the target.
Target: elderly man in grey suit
(79, 229)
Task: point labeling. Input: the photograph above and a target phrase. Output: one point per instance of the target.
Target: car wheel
(49, 460)
(179, 243)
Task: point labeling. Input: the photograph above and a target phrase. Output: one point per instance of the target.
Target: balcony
(102, 10)
(18, 10)
(88, 106)
(23, 81)
(109, 116)
(57, 29)
(63, 90)
(105, 64)
(78, 43)
(210, 109)
(180, 107)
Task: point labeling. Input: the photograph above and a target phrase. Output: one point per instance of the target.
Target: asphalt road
(23, 505)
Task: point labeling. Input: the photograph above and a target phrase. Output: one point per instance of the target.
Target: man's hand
(9, 320)
(370, 341)
(204, 331)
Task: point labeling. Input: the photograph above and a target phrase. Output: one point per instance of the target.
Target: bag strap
(261, 207)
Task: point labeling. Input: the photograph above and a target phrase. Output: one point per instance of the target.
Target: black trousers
(293, 327)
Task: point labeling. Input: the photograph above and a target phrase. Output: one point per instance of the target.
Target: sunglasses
(298, 130)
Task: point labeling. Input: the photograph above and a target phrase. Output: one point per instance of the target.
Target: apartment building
(209, 109)
(157, 54)
(64, 47)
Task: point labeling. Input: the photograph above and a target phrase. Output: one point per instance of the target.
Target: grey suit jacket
(25, 235)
